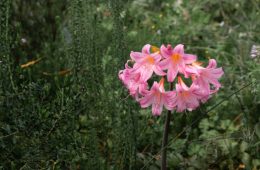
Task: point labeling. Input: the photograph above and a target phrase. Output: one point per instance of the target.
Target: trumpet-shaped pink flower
(133, 81)
(187, 98)
(157, 97)
(147, 63)
(206, 76)
(175, 60)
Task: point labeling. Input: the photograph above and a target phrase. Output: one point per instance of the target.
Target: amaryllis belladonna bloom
(158, 97)
(187, 97)
(132, 81)
(175, 60)
(206, 76)
(147, 63)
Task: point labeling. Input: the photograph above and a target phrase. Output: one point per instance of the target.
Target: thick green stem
(165, 137)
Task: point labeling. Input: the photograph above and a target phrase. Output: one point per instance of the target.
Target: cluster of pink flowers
(174, 64)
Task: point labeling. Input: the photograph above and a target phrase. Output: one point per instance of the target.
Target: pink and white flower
(187, 98)
(206, 76)
(175, 60)
(147, 63)
(158, 97)
(133, 81)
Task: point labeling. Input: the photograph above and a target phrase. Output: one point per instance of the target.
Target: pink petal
(205, 98)
(157, 57)
(121, 75)
(137, 56)
(181, 106)
(143, 88)
(182, 85)
(146, 101)
(126, 65)
(136, 68)
(132, 90)
(157, 69)
(191, 70)
(193, 102)
(157, 109)
(146, 49)
(179, 49)
(215, 83)
(212, 63)
(189, 58)
(217, 73)
(169, 100)
(172, 73)
(155, 87)
(202, 89)
(146, 73)
(183, 70)
(166, 52)
(164, 63)
(178, 88)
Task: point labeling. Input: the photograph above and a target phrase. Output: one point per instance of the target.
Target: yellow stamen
(155, 49)
(150, 60)
(176, 58)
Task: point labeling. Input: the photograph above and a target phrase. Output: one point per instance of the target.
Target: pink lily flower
(147, 63)
(175, 60)
(206, 76)
(187, 98)
(157, 97)
(154, 60)
(133, 81)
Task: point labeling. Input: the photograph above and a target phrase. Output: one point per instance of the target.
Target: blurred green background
(62, 105)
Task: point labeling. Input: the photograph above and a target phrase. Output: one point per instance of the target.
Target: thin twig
(6, 136)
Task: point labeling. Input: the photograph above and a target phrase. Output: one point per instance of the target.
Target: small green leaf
(246, 158)
(243, 146)
(257, 129)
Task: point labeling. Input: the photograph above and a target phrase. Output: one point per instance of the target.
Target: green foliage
(63, 107)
